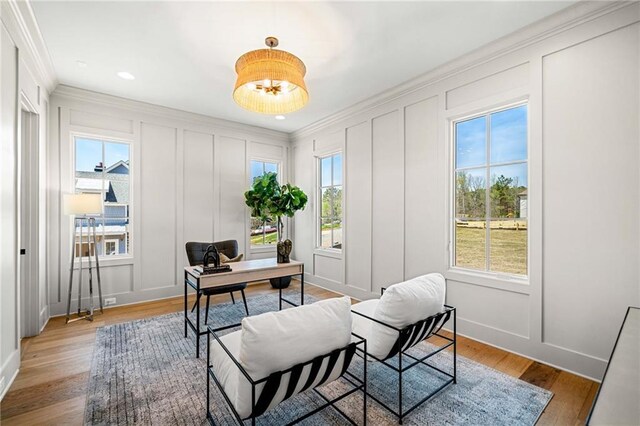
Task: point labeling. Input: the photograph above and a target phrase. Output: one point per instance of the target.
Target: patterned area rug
(144, 372)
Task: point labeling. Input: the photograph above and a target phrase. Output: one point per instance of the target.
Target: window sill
(105, 262)
(262, 249)
(336, 254)
(499, 281)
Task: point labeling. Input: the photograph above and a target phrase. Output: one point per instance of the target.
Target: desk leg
(198, 325)
(302, 287)
(280, 297)
(185, 304)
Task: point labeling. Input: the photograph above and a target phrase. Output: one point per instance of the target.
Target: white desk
(242, 272)
(618, 399)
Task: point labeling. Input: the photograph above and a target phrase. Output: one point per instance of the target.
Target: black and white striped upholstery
(278, 386)
(282, 385)
(416, 333)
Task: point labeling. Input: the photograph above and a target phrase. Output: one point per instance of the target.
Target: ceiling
(182, 54)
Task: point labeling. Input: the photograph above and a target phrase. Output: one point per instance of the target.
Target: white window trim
(511, 282)
(262, 248)
(318, 249)
(125, 258)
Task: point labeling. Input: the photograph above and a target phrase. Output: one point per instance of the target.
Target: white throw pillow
(403, 304)
(275, 341)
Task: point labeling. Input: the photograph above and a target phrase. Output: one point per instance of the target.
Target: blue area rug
(145, 372)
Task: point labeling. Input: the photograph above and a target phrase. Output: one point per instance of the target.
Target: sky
(258, 168)
(508, 143)
(326, 163)
(89, 153)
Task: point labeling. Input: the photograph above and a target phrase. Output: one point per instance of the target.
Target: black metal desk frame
(196, 286)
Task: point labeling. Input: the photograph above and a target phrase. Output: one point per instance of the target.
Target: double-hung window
(491, 189)
(330, 205)
(262, 233)
(103, 167)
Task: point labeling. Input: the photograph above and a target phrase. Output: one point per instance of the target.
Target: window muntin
(103, 166)
(262, 233)
(330, 206)
(491, 184)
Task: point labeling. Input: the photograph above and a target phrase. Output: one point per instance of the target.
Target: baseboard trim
(140, 302)
(12, 363)
(493, 345)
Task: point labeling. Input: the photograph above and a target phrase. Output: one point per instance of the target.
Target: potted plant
(267, 200)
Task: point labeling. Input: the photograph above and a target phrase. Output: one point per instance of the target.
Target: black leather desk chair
(195, 253)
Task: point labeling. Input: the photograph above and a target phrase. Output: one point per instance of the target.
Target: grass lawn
(272, 238)
(508, 249)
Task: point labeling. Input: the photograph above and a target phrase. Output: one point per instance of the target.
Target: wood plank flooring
(51, 386)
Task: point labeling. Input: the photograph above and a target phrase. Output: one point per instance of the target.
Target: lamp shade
(270, 81)
(82, 204)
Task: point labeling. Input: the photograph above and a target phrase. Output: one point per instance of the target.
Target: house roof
(120, 167)
(116, 188)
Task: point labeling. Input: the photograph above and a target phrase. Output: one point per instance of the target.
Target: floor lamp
(83, 208)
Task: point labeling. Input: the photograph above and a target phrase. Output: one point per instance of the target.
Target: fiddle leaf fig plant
(268, 199)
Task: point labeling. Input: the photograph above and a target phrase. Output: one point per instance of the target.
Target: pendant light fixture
(270, 81)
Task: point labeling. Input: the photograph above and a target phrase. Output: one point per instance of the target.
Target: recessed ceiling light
(81, 64)
(280, 117)
(126, 75)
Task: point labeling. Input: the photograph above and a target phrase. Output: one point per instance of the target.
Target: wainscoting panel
(100, 121)
(358, 213)
(230, 160)
(158, 203)
(591, 187)
(490, 307)
(424, 190)
(504, 81)
(328, 268)
(198, 187)
(387, 260)
(303, 225)
(114, 280)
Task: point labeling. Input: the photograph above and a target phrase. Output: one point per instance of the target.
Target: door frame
(28, 218)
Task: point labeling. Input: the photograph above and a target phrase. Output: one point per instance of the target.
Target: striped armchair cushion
(313, 339)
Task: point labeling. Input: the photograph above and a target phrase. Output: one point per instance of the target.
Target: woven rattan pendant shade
(270, 81)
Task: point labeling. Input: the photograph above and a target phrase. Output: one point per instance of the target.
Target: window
(330, 206)
(102, 166)
(262, 233)
(111, 247)
(490, 213)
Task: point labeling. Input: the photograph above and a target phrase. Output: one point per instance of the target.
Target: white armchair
(277, 355)
(406, 314)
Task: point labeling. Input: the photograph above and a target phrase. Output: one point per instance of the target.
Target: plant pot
(280, 282)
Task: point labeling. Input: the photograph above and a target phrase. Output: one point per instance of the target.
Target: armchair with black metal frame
(408, 337)
(261, 401)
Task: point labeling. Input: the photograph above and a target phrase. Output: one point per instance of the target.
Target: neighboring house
(111, 230)
(522, 198)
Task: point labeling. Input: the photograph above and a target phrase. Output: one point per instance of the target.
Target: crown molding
(583, 11)
(75, 93)
(21, 23)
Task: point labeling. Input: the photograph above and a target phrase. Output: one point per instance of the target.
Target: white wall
(580, 73)
(25, 78)
(189, 174)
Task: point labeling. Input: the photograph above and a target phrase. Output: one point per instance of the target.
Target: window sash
(100, 219)
(487, 167)
(264, 223)
(332, 217)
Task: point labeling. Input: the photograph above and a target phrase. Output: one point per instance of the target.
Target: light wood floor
(52, 383)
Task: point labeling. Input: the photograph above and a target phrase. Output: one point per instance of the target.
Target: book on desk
(207, 270)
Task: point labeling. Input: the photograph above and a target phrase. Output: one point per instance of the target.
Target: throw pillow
(225, 259)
